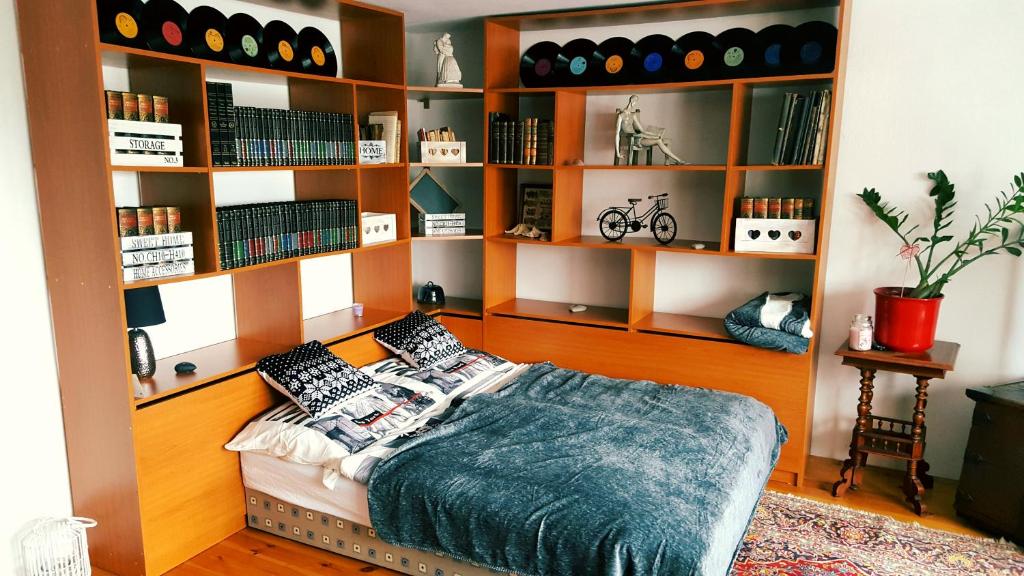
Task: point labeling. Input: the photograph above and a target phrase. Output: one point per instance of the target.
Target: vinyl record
(814, 47)
(121, 22)
(282, 46)
(773, 50)
(614, 61)
(205, 33)
(245, 40)
(163, 26)
(654, 53)
(695, 56)
(577, 55)
(737, 48)
(316, 55)
(537, 67)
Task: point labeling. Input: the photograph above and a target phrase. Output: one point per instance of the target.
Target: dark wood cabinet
(991, 491)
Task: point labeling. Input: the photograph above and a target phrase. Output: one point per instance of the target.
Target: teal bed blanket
(563, 472)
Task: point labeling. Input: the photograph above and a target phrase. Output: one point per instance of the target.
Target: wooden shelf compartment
(342, 324)
(456, 306)
(438, 165)
(372, 42)
(559, 312)
(721, 84)
(213, 363)
(682, 325)
(386, 191)
(140, 52)
(442, 93)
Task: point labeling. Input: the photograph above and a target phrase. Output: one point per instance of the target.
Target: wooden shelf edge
(683, 325)
(163, 169)
(328, 167)
(446, 90)
(675, 167)
(672, 86)
(107, 47)
(471, 234)
(437, 165)
(524, 166)
(455, 306)
(778, 168)
(604, 316)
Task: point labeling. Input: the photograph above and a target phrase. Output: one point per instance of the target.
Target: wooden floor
(255, 553)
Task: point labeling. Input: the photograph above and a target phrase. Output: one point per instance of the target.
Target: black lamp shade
(144, 307)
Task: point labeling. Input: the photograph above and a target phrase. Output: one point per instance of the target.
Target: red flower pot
(905, 324)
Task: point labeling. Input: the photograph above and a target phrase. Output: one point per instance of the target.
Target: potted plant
(905, 318)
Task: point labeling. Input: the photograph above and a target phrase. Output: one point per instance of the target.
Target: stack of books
(527, 142)
(453, 224)
(247, 136)
(803, 129)
(156, 256)
(258, 233)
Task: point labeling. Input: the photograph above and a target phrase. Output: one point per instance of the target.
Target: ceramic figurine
(628, 125)
(448, 73)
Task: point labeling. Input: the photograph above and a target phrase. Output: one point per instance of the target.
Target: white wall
(35, 476)
(930, 84)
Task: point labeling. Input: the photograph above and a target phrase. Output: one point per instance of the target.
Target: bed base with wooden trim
(346, 538)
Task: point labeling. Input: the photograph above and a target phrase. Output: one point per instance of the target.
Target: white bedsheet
(302, 484)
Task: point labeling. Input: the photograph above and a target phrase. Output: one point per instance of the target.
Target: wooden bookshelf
(469, 307)
(108, 413)
(654, 340)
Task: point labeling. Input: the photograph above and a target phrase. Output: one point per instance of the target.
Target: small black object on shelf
(431, 293)
(617, 221)
(184, 368)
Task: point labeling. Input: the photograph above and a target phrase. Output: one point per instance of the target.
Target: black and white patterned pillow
(314, 378)
(420, 340)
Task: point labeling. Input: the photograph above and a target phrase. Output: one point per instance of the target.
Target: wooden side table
(903, 439)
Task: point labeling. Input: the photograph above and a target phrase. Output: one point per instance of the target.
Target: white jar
(861, 333)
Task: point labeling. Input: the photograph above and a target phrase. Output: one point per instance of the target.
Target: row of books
(248, 136)
(785, 208)
(147, 220)
(803, 129)
(530, 141)
(156, 256)
(257, 233)
(452, 224)
(442, 134)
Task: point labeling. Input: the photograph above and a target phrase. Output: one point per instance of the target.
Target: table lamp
(143, 307)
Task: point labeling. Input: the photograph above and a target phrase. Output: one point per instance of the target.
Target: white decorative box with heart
(379, 227)
(443, 152)
(775, 235)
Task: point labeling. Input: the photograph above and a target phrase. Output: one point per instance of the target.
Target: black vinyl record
(205, 33)
(614, 61)
(537, 67)
(282, 46)
(316, 55)
(814, 47)
(695, 56)
(163, 26)
(245, 40)
(121, 22)
(737, 46)
(577, 55)
(654, 53)
(774, 52)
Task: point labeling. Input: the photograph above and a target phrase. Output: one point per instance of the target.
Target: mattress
(302, 484)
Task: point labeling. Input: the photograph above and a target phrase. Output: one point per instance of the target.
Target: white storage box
(134, 143)
(379, 227)
(775, 235)
(443, 152)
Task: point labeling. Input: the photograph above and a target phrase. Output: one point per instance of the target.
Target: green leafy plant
(1002, 231)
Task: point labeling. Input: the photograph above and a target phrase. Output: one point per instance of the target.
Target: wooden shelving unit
(636, 340)
(119, 429)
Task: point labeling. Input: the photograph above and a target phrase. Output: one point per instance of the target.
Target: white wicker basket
(57, 547)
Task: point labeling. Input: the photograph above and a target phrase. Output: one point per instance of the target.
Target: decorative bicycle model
(617, 221)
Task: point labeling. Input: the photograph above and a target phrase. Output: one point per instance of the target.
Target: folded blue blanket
(569, 473)
(778, 321)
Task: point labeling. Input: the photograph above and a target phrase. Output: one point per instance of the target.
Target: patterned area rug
(793, 536)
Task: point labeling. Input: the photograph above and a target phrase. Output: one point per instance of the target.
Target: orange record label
(285, 50)
(126, 25)
(318, 55)
(214, 40)
(613, 64)
(694, 59)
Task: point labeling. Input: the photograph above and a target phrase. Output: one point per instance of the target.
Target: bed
(551, 471)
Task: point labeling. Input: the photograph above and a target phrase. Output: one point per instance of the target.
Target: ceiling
(425, 12)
